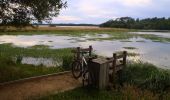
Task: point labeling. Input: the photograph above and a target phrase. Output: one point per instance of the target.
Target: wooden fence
(104, 69)
(79, 50)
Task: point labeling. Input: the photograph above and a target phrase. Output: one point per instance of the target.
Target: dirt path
(37, 87)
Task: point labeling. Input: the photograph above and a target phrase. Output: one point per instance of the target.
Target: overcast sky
(98, 11)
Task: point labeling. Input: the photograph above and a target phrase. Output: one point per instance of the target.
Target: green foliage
(147, 76)
(142, 81)
(21, 13)
(10, 71)
(7, 50)
(148, 23)
(126, 93)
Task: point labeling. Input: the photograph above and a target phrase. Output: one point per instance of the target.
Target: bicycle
(80, 67)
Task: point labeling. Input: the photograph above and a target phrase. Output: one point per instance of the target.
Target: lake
(156, 53)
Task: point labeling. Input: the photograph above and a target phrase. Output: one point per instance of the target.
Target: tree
(20, 13)
(147, 23)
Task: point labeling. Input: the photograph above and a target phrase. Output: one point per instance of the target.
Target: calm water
(160, 34)
(153, 52)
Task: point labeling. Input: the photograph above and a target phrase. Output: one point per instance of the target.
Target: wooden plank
(120, 65)
(100, 68)
(120, 56)
(84, 49)
(124, 58)
(78, 53)
(118, 68)
(90, 51)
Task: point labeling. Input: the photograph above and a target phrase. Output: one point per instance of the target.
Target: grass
(125, 41)
(130, 48)
(115, 33)
(154, 38)
(10, 70)
(61, 30)
(126, 93)
(141, 81)
(7, 50)
(40, 47)
(113, 36)
(141, 41)
(147, 76)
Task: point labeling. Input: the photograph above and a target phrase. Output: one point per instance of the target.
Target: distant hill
(131, 23)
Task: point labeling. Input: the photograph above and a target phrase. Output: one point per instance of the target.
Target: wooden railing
(118, 62)
(104, 70)
(79, 50)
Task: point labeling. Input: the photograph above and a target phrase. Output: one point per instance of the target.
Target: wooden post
(78, 53)
(90, 51)
(100, 69)
(124, 58)
(114, 61)
(114, 66)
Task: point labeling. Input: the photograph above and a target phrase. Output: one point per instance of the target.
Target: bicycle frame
(83, 61)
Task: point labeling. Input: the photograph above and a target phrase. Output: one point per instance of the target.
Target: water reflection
(152, 52)
(48, 62)
(160, 34)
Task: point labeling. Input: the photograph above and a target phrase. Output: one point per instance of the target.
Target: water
(153, 52)
(48, 62)
(160, 34)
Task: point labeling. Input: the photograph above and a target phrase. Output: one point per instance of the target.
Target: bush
(146, 76)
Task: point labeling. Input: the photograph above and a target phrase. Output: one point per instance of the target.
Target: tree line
(131, 23)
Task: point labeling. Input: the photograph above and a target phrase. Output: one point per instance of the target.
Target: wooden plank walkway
(37, 87)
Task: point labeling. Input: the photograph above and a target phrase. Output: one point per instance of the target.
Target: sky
(99, 11)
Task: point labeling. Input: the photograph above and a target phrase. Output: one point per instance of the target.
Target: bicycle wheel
(76, 69)
(87, 79)
(91, 79)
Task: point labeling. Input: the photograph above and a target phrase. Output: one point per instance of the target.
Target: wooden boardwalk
(37, 87)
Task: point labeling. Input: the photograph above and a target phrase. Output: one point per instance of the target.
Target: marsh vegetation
(139, 79)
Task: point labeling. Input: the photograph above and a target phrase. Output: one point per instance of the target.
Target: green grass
(40, 47)
(130, 48)
(115, 34)
(154, 38)
(62, 31)
(125, 41)
(126, 93)
(147, 76)
(9, 70)
(141, 81)
(141, 41)
(7, 50)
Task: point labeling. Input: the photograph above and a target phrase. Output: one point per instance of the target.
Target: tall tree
(21, 13)
(147, 23)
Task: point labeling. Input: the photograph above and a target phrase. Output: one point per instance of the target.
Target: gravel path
(37, 87)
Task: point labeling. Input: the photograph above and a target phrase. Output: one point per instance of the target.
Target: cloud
(66, 18)
(95, 8)
(135, 3)
(97, 11)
